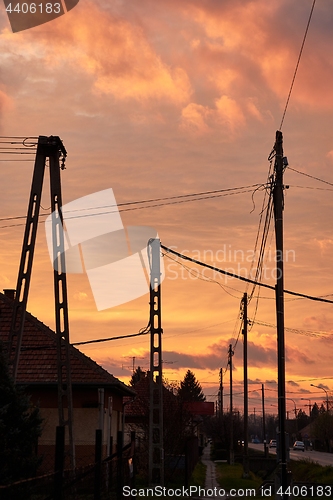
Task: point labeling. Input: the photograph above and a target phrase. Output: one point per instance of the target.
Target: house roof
(307, 431)
(38, 356)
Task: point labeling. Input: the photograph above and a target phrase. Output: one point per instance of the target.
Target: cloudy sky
(168, 98)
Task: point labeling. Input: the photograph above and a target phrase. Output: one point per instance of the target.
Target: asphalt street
(320, 457)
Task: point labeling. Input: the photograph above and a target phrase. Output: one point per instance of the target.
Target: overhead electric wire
(228, 192)
(95, 341)
(309, 333)
(297, 65)
(268, 208)
(242, 278)
(311, 177)
(203, 277)
(202, 196)
(23, 137)
(310, 187)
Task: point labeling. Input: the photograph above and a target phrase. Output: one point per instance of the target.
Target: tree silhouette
(138, 374)
(190, 389)
(20, 427)
(314, 411)
(302, 419)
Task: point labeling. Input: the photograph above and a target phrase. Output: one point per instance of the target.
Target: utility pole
(53, 149)
(221, 392)
(246, 400)
(263, 419)
(280, 164)
(230, 355)
(156, 452)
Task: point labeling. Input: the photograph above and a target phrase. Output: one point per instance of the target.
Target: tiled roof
(38, 357)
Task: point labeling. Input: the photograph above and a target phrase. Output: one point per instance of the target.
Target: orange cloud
(201, 119)
(5, 101)
(248, 32)
(194, 118)
(229, 113)
(111, 50)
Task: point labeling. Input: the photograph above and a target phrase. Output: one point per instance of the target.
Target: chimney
(10, 293)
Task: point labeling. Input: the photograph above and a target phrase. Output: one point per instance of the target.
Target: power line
(95, 341)
(180, 199)
(248, 280)
(298, 61)
(205, 278)
(311, 177)
(309, 333)
(222, 193)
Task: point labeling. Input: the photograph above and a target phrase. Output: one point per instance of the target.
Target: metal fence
(102, 480)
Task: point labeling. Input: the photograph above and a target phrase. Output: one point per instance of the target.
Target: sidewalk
(210, 482)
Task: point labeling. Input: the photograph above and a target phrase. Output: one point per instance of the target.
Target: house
(37, 372)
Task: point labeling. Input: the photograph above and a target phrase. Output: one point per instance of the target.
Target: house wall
(86, 419)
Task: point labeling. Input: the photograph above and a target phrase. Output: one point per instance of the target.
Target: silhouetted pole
(221, 391)
(278, 216)
(263, 419)
(246, 401)
(156, 451)
(231, 353)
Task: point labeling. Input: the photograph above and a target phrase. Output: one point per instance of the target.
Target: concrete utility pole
(246, 400)
(263, 420)
(280, 164)
(230, 354)
(156, 452)
(221, 392)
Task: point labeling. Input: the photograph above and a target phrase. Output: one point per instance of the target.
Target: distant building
(37, 372)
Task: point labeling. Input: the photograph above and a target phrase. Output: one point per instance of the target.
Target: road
(315, 456)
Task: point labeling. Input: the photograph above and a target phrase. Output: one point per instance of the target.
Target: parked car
(298, 445)
(256, 441)
(272, 443)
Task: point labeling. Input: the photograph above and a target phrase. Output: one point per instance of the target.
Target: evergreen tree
(322, 409)
(314, 411)
(138, 374)
(20, 427)
(302, 419)
(190, 389)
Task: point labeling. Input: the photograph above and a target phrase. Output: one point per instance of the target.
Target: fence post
(187, 463)
(119, 465)
(110, 464)
(98, 464)
(59, 462)
(133, 471)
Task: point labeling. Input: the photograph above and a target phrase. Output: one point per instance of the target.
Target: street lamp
(322, 388)
(295, 406)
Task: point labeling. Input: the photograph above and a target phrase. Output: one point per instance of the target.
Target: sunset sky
(163, 98)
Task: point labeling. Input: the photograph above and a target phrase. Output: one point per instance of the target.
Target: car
(272, 443)
(256, 441)
(298, 445)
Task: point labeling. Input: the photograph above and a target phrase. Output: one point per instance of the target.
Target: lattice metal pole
(27, 254)
(61, 305)
(52, 148)
(156, 452)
